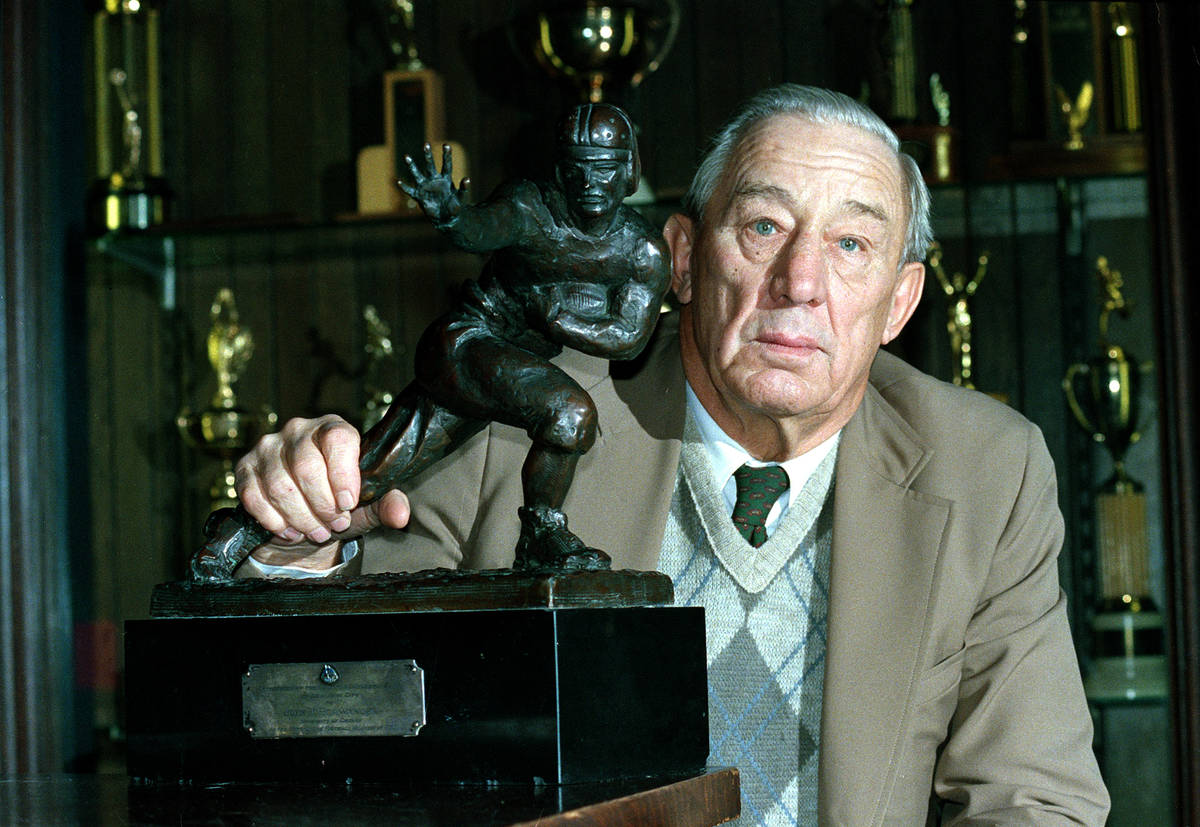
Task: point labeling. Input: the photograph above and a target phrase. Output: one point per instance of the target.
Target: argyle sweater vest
(765, 617)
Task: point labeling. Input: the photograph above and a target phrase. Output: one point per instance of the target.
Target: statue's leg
(491, 378)
(414, 433)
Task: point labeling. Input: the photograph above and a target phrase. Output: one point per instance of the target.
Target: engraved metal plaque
(323, 700)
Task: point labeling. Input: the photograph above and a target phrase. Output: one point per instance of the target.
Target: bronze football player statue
(570, 266)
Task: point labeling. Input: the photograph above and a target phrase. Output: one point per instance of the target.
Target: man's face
(595, 187)
(793, 280)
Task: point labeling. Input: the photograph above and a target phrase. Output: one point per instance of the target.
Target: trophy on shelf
(225, 429)
(130, 191)
(1075, 113)
(1102, 394)
(1123, 57)
(903, 62)
(959, 290)
(595, 47)
(380, 352)
(598, 49)
(402, 42)
(944, 165)
(413, 114)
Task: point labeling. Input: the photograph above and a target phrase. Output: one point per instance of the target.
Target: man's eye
(764, 227)
(850, 245)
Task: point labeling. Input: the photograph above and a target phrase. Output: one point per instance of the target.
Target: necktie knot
(757, 490)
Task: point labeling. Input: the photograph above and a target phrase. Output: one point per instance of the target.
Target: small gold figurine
(379, 351)
(958, 323)
(1111, 297)
(941, 99)
(1075, 113)
(943, 150)
(230, 347)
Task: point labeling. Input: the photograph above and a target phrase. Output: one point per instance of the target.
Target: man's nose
(798, 274)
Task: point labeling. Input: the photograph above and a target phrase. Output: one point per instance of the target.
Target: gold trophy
(1075, 113)
(1123, 57)
(379, 352)
(225, 429)
(130, 191)
(944, 144)
(595, 45)
(959, 290)
(903, 62)
(1128, 627)
(402, 38)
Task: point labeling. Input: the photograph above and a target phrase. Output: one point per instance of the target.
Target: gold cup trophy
(595, 46)
(225, 429)
(598, 46)
(1103, 395)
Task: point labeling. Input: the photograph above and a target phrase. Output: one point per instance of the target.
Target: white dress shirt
(726, 456)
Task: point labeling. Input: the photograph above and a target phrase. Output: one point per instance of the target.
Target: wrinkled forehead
(793, 150)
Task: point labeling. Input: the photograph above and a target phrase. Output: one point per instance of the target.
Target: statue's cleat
(588, 559)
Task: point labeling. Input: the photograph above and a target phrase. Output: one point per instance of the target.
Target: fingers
(392, 509)
(422, 174)
(304, 480)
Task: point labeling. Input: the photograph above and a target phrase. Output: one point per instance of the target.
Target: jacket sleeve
(1019, 749)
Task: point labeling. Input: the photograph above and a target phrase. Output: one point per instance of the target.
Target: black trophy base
(431, 590)
(543, 694)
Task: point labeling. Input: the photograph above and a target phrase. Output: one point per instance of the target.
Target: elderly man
(875, 550)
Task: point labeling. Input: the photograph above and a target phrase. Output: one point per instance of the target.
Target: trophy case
(260, 153)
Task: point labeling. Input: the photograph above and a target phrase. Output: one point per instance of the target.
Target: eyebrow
(860, 208)
(769, 191)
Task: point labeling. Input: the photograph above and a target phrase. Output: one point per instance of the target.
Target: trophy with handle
(1103, 395)
(225, 429)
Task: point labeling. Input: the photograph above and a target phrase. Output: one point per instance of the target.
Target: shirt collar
(726, 455)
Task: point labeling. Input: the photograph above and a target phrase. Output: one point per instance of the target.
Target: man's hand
(433, 190)
(302, 484)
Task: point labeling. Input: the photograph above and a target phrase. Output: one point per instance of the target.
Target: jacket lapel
(886, 539)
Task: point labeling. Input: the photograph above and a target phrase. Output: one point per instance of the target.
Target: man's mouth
(788, 343)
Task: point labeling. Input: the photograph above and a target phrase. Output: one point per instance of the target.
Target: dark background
(265, 108)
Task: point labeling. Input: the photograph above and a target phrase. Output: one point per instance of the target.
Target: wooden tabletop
(708, 798)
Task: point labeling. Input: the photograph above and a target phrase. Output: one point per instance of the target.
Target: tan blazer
(950, 670)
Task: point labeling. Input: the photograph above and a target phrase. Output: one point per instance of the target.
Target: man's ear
(679, 234)
(905, 297)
